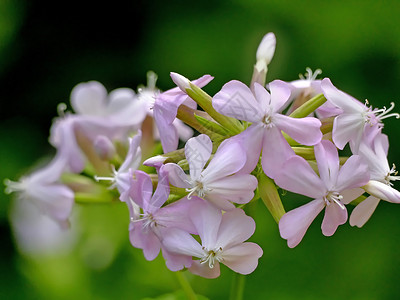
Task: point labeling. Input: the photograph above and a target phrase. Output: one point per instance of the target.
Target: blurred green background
(46, 48)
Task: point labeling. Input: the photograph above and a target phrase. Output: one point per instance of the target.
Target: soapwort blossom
(356, 120)
(166, 108)
(121, 178)
(150, 221)
(263, 110)
(217, 182)
(222, 237)
(44, 189)
(380, 186)
(334, 188)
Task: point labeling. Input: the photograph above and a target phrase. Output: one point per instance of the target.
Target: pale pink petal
(207, 219)
(176, 262)
(354, 173)
(141, 189)
(176, 215)
(238, 188)
(294, 224)
(125, 109)
(204, 270)
(242, 258)
(363, 211)
(351, 194)
(236, 100)
(251, 139)
(198, 151)
(161, 193)
(176, 175)
(89, 98)
(327, 158)
(280, 94)
(145, 240)
(133, 158)
(181, 242)
(54, 200)
(168, 133)
(229, 158)
(347, 127)
(382, 191)
(276, 151)
(335, 215)
(262, 96)
(305, 130)
(220, 201)
(341, 99)
(297, 176)
(235, 228)
(184, 131)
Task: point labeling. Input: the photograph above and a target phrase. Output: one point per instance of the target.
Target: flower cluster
(241, 145)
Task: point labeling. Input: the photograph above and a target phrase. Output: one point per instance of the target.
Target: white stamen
(211, 256)
(310, 76)
(382, 113)
(391, 176)
(14, 186)
(197, 188)
(334, 197)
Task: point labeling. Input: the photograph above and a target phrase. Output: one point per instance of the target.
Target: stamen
(382, 113)
(211, 256)
(334, 197)
(310, 75)
(391, 176)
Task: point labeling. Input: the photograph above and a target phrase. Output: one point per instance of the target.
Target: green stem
(237, 287)
(187, 289)
(308, 107)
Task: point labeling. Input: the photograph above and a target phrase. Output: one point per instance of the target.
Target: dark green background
(46, 48)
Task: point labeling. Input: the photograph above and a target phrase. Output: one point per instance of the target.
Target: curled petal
(305, 130)
(382, 191)
(363, 211)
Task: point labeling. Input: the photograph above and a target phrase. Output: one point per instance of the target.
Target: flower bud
(104, 147)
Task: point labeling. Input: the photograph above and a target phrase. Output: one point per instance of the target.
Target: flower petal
(363, 211)
(341, 99)
(346, 128)
(305, 130)
(294, 224)
(238, 188)
(236, 227)
(141, 189)
(89, 98)
(198, 151)
(207, 219)
(242, 258)
(334, 216)
(382, 191)
(229, 158)
(146, 240)
(354, 173)
(181, 242)
(176, 175)
(327, 158)
(280, 94)
(297, 176)
(204, 270)
(236, 100)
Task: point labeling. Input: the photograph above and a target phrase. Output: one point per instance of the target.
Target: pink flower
(148, 227)
(218, 182)
(263, 109)
(331, 190)
(380, 186)
(165, 110)
(222, 241)
(121, 179)
(356, 118)
(44, 190)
